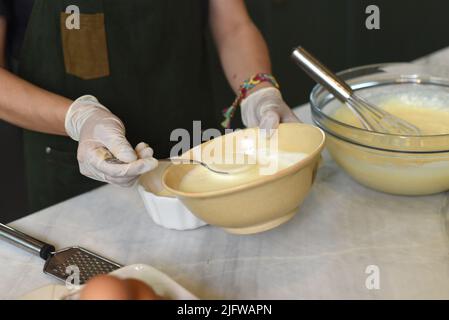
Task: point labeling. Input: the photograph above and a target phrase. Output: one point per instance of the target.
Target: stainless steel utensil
(114, 160)
(57, 263)
(191, 161)
(372, 117)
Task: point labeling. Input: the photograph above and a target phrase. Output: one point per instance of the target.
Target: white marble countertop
(323, 252)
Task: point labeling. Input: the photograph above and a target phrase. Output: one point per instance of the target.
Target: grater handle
(39, 248)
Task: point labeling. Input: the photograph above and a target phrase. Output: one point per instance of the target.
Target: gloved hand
(101, 136)
(265, 108)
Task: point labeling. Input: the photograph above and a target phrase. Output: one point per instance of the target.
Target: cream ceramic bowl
(265, 203)
(403, 165)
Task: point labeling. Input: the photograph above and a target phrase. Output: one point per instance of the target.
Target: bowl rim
(252, 184)
(406, 79)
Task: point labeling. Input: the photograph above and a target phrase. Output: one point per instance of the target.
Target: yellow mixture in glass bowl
(397, 164)
(431, 120)
(395, 171)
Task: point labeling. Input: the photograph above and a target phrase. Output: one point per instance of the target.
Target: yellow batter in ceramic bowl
(266, 194)
(405, 165)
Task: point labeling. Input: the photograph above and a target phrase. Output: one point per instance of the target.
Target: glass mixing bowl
(398, 164)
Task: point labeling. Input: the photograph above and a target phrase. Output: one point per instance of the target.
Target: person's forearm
(26, 105)
(30, 107)
(241, 47)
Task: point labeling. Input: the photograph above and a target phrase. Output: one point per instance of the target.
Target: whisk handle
(321, 74)
(26, 242)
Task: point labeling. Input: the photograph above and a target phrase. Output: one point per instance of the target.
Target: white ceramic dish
(162, 284)
(165, 210)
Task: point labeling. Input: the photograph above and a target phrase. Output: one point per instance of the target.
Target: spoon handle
(192, 161)
(182, 160)
(114, 160)
(321, 74)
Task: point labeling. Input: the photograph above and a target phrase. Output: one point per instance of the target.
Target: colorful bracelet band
(246, 86)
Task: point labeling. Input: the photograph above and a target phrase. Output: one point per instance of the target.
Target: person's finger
(99, 162)
(120, 147)
(290, 117)
(269, 123)
(144, 151)
(132, 169)
(141, 146)
(270, 120)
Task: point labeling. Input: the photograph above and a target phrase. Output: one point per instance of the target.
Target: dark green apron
(144, 59)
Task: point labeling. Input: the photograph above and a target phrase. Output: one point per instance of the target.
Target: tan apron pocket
(85, 49)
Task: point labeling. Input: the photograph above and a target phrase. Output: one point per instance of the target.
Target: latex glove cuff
(79, 112)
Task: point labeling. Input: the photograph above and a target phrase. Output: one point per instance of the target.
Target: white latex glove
(101, 136)
(265, 108)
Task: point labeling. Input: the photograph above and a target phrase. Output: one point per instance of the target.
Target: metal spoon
(191, 161)
(114, 160)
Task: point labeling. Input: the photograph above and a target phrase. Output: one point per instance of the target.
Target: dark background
(334, 30)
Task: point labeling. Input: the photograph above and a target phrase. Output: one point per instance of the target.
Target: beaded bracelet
(246, 86)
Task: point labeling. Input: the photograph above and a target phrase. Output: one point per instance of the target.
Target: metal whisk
(372, 117)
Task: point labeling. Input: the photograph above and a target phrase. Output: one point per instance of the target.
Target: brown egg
(106, 287)
(140, 290)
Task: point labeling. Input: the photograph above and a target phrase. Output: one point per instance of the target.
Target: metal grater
(88, 263)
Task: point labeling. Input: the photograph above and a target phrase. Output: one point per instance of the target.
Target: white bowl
(165, 210)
